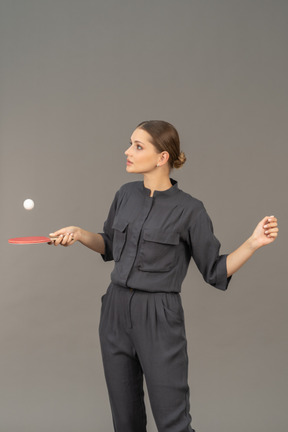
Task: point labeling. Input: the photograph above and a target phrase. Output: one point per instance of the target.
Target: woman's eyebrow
(138, 142)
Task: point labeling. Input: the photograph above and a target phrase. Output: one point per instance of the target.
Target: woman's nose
(127, 151)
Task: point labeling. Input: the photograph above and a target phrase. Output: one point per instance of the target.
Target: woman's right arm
(69, 235)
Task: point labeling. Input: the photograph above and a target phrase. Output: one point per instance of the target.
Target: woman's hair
(165, 138)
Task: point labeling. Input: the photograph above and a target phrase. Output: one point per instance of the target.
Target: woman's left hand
(265, 232)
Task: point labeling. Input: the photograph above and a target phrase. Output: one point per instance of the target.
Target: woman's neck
(157, 182)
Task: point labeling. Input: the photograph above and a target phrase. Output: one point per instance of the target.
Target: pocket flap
(158, 236)
(120, 225)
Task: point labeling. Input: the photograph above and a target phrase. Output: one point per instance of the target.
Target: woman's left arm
(265, 233)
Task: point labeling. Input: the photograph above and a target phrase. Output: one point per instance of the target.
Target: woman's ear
(164, 157)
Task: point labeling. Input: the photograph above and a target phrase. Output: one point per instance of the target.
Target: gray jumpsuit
(151, 240)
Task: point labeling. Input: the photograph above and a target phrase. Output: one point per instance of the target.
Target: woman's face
(142, 156)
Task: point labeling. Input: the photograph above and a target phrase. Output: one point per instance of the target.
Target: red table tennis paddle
(31, 240)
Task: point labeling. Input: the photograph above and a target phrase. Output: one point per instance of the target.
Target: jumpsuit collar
(166, 193)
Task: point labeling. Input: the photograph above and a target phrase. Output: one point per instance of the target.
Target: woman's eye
(139, 147)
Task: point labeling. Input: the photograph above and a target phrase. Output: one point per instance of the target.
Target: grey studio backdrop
(76, 78)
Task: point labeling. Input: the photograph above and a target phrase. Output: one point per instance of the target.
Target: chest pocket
(119, 239)
(158, 250)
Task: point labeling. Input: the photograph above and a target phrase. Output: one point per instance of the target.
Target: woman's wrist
(253, 244)
(79, 234)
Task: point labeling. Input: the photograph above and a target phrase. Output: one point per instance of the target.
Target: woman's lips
(128, 162)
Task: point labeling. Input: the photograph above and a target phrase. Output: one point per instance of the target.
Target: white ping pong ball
(28, 204)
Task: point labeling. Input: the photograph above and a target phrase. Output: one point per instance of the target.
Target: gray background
(76, 78)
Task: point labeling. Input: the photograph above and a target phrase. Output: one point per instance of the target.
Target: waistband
(126, 288)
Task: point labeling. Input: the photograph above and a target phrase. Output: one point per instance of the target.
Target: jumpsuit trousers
(143, 333)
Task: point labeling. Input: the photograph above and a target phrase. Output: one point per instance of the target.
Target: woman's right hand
(66, 236)
(69, 235)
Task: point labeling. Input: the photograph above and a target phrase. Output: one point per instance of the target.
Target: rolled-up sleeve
(108, 232)
(205, 248)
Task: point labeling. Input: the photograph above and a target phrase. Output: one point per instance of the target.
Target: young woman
(152, 231)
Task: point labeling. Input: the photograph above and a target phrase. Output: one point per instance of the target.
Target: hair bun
(180, 160)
